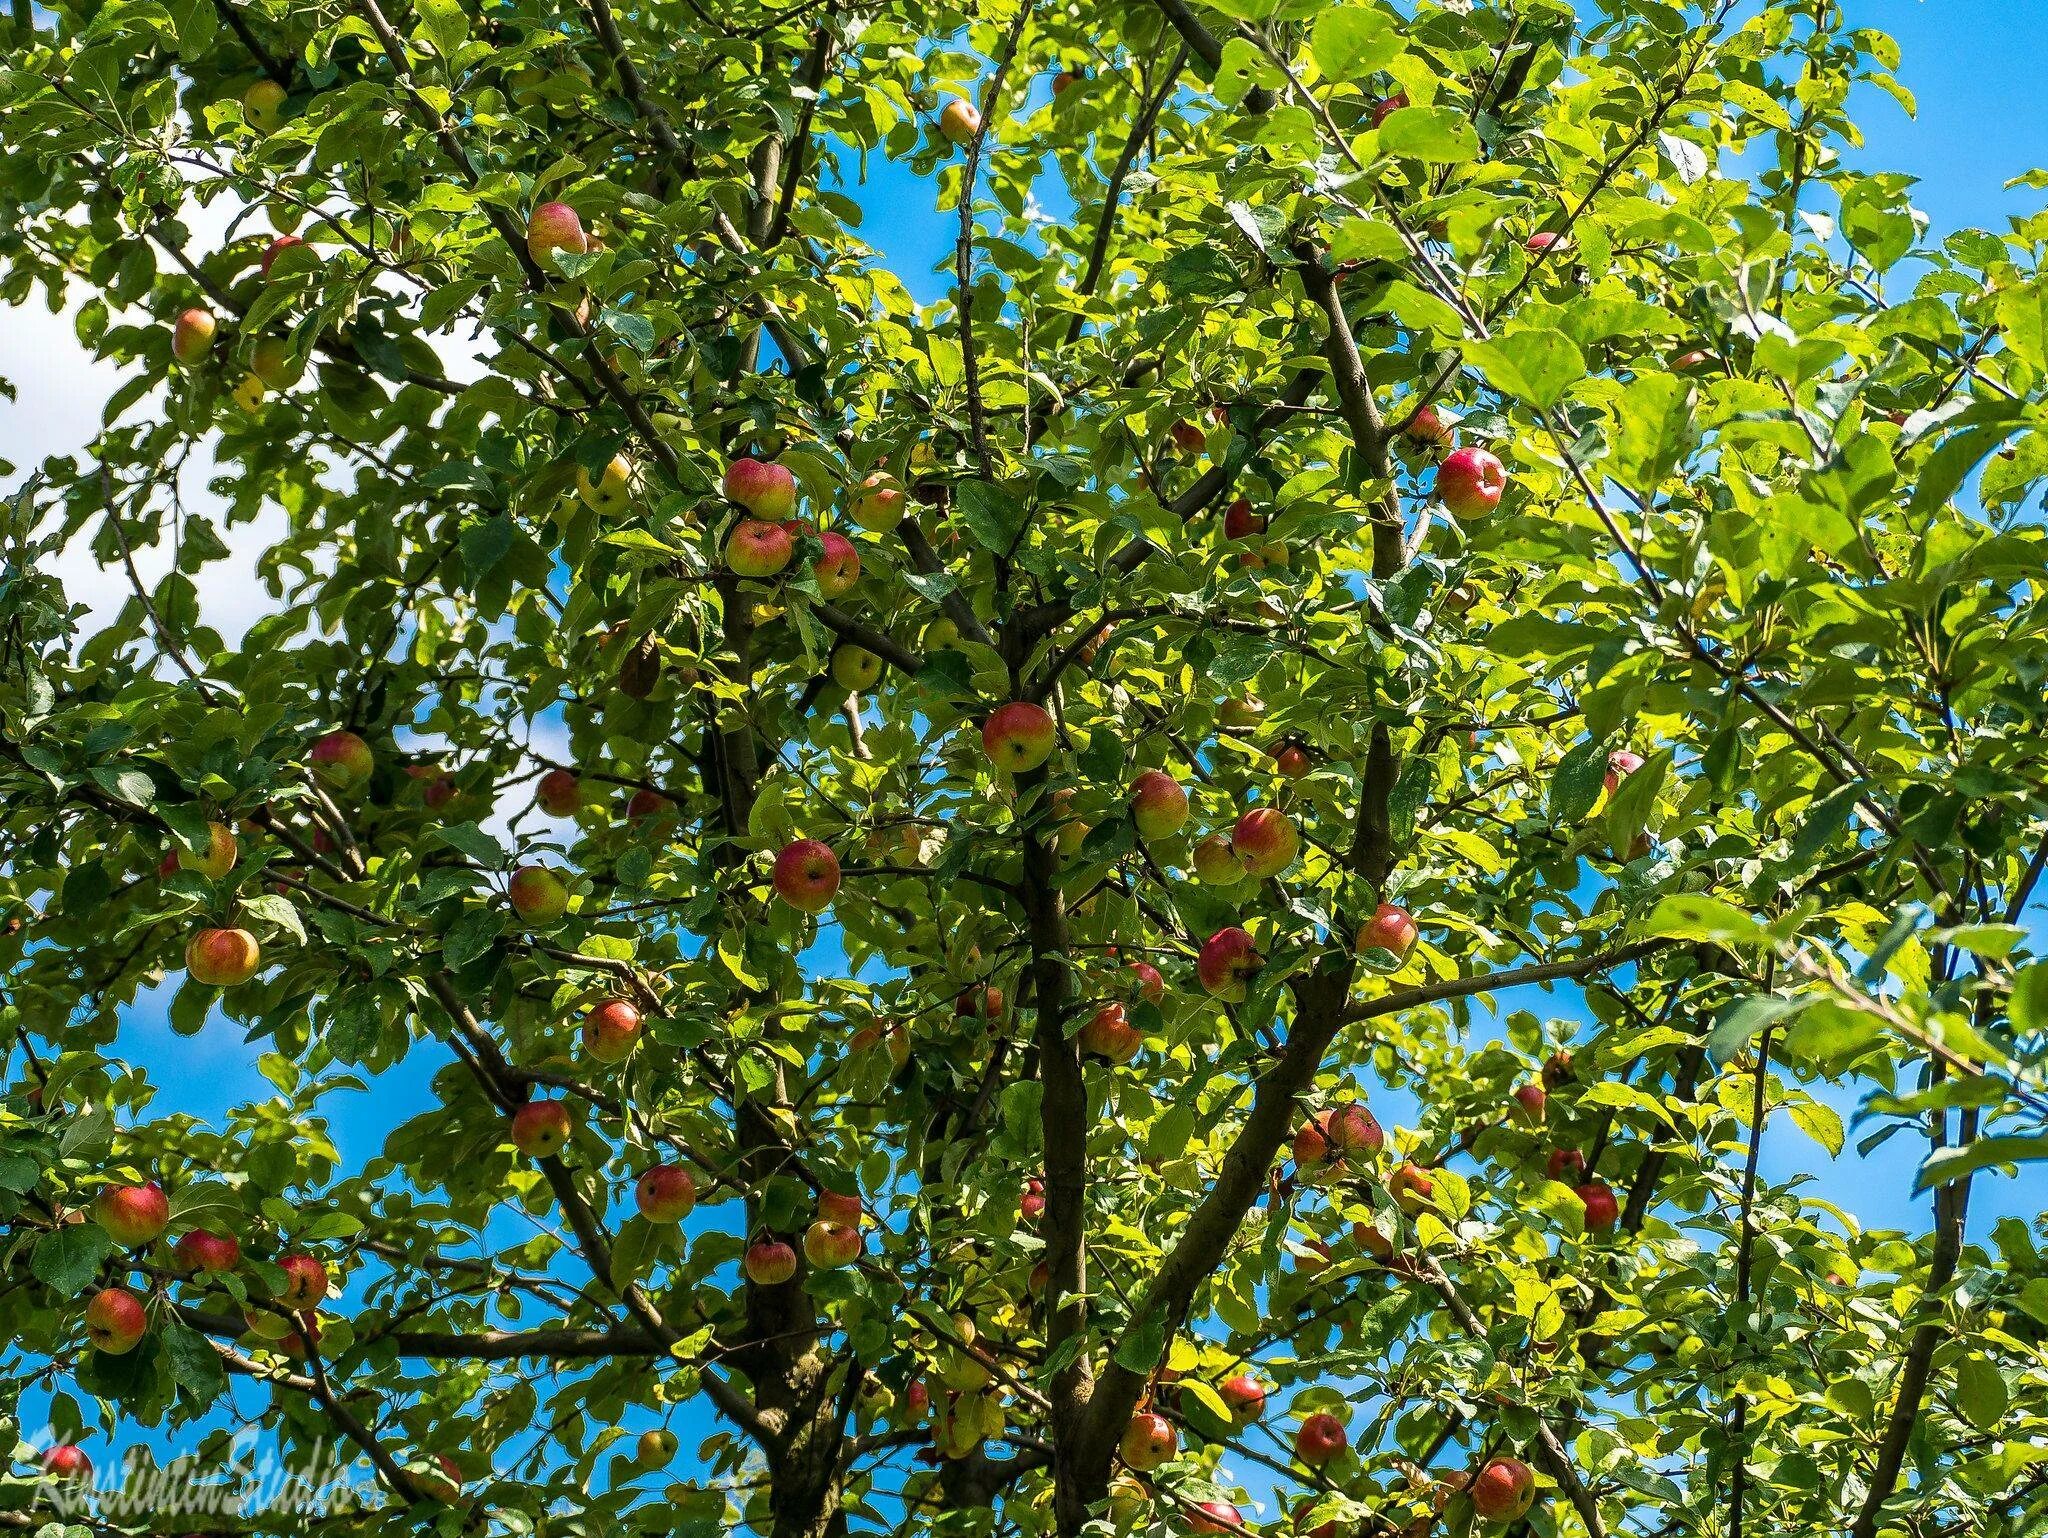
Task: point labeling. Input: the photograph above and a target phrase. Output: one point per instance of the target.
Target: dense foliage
(987, 795)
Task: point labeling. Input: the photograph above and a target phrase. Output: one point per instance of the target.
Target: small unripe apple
(1503, 1491)
(192, 337)
(611, 493)
(1469, 482)
(959, 121)
(1226, 960)
(221, 853)
(1319, 1439)
(273, 361)
(263, 106)
(855, 668)
(306, 1282)
(341, 760)
(756, 549)
(1265, 842)
(1148, 1441)
(1390, 929)
(1159, 806)
(133, 1215)
(878, 505)
(655, 1449)
(1109, 1034)
(665, 1194)
(806, 875)
(199, 1251)
(1411, 1188)
(838, 569)
(763, 488)
(1216, 863)
(541, 1128)
(222, 958)
(554, 227)
(611, 1029)
(558, 793)
(1602, 1211)
(1019, 736)
(115, 1321)
(829, 1246)
(769, 1262)
(537, 894)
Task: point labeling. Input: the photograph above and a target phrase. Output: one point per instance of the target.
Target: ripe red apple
(537, 894)
(985, 1003)
(133, 1215)
(1352, 1129)
(1621, 763)
(1110, 1035)
(655, 1449)
(959, 121)
(115, 1321)
(1216, 863)
(1187, 437)
(541, 1128)
(611, 1028)
(1387, 106)
(1503, 1491)
(192, 337)
(1319, 1439)
(1158, 804)
(341, 760)
(1314, 1258)
(1031, 1205)
(758, 549)
(558, 793)
(221, 958)
(1213, 1517)
(1564, 1163)
(1064, 79)
(1240, 522)
(665, 1194)
(1469, 482)
(878, 505)
(1411, 1188)
(769, 1262)
(1686, 362)
(645, 803)
(305, 1282)
(199, 1251)
(1313, 1153)
(1389, 929)
(829, 1246)
(1227, 959)
(1531, 1104)
(68, 1463)
(1264, 842)
(1369, 1239)
(806, 875)
(1245, 1397)
(554, 227)
(895, 1038)
(1427, 427)
(277, 249)
(1148, 1441)
(1541, 241)
(1150, 985)
(1602, 1210)
(1018, 736)
(1292, 761)
(838, 569)
(842, 1207)
(763, 488)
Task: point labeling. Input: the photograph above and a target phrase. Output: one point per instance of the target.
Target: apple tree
(1171, 876)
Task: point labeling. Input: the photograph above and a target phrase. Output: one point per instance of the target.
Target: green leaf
(1440, 134)
(469, 839)
(1141, 1346)
(446, 24)
(194, 1365)
(354, 1025)
(471, 936)
(1022, 1124)
(1950, 1164)
(1537, 366)
(125, 783)
(992, 515)
(209, 1205)
(277, 912)
(1691, 916)
(1981, 1393)
(1651, 429)
(1819, 1122)
(1575, 786)
(1740, 1023)
(1242, 68)
(67, 1259)
(1349, 43)
(485, 544)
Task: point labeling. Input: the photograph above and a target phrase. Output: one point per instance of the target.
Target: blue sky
(1975, 67)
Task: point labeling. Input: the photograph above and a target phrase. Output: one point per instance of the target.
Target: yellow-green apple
(1319, 1439)
(263, 106)
(1109, 1034)
(67, 1462)
(1469, 482)
(1503, 1491)
(1147, 980)
(273, 361)
(1241, 713)
(305, 1281)
(1226, 960)
(248, 395)
(1531, 1103)
(537, 894)
(855, 668)
(1411, 1188)
(554, 227)
(541, 1128)
(115, 1321)
(221, 853)
(758, 549)
(806, 875)
(341, 760)
(199, 1251)
(611, 1028)
(959, 121)
(133, 1215)
(655, 1448)
(1244, 1397)
(1240, 522)
(558, 793)
(192, 337)
(942, 635)
(1264, 842)
(769, 1262)
(611, 492)
(878, 505)
(838, 569)
(1148, 1441)
(1390, 929)
(1018, 736)
(1216, 863)
(763, 488)
(1158, 805)
(1621, 763)
(1601, 1208)
(1564, 1164)
(221, 958)
(665, 1194)
(830, 1246)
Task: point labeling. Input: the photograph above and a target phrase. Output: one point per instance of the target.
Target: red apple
(1369, 1239)
(838, 569)
(133, 1215)
(878, 505)
(1062, 80)
(221, 958)
(1245, 1397)
(1564, 1163)
(1620, 765)
(1352, 1129)
(1469, 482)
(829, 1246)
(1319, 1439)
(841, 1207)
(68, 1463)
(645, 803)
(1426, 426)
(806, 875)
(1387, 106)
(1227, 959)
(1148, 1441)
(959, 121)
(115, 1321)
(1503, 1491)
(1213, 1517)
(192, 337)
(1110, 1035)
(341, 760)
(765, 489)
(896, 1039)
(1240, 522)
(1216, 863)
(1601, 1208)
(984, 1003)
(1158, 804)
(305, 1282)
(1291, 761)
(537, 894)
(1240, 713)
(1531, 1104)
(1411, 1187)
(199, 1251)
(1031, 1205)
(665, 1194)
(1389, 929)
(1018, 736)
(769, 1262)
(1686, 362)
(1150, 985)
(1541, 241)
(541, 1128)
(758, 549)
(278, 247)
(610, 1030)
(1186, 437)
(554, 227)
(1264, 842)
